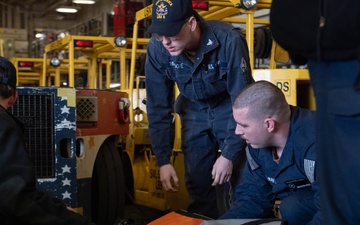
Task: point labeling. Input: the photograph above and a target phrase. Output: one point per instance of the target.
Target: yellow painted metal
(123, 68)
(79, 64)
(57, 77)
(220, 13)
(272, 56)
(295, 84)
(1, 47)
(91, 72)
(250, 36)
(33, 75)
(101, 45)
(280, 54)
(177, 138)
(107, 64)
(28, 76)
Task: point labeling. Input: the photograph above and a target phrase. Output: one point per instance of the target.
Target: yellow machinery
(293, 82)
(30, 70)
(90, 46)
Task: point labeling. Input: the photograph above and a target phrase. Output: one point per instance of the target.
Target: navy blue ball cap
(7, 72)
(169, 16)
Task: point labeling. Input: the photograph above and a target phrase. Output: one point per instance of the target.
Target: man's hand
(167, 172)
(221, 171)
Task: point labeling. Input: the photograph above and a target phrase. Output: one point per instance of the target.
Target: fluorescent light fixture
(84, 1)
(114, 85)
(67, 9)
(40, 35)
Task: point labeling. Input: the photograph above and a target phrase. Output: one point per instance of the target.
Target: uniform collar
(208, 38)
(288, 156)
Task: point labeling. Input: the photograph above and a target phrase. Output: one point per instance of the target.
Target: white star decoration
(66, 195)
(65, 169)
(65, 124)
(210, 42)
(65, 110)
(63, 98)
(66, 182)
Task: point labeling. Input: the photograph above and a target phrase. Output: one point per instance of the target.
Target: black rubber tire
(107, 188)
(129, 178)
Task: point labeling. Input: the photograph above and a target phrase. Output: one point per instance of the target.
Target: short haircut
(264, 100)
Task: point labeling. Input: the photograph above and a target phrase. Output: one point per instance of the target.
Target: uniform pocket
(212, 76)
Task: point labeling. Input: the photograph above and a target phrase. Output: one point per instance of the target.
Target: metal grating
(86, 109)
(36, 112)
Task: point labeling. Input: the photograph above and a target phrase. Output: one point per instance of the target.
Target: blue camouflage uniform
(292, 179)
(207, 88)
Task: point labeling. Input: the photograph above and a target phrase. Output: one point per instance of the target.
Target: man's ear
(193, 23)
(269, 124)
(12, 99)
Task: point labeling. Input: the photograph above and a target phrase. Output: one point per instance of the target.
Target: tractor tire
(108, 186)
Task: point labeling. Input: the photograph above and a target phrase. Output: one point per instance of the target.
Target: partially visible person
(325, 35)
(280, 157)
(21, 202)
(209, 62)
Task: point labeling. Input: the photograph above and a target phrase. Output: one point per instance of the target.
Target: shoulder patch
(309, 167)
(249, 158)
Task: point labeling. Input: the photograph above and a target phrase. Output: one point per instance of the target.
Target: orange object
(174, 218)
